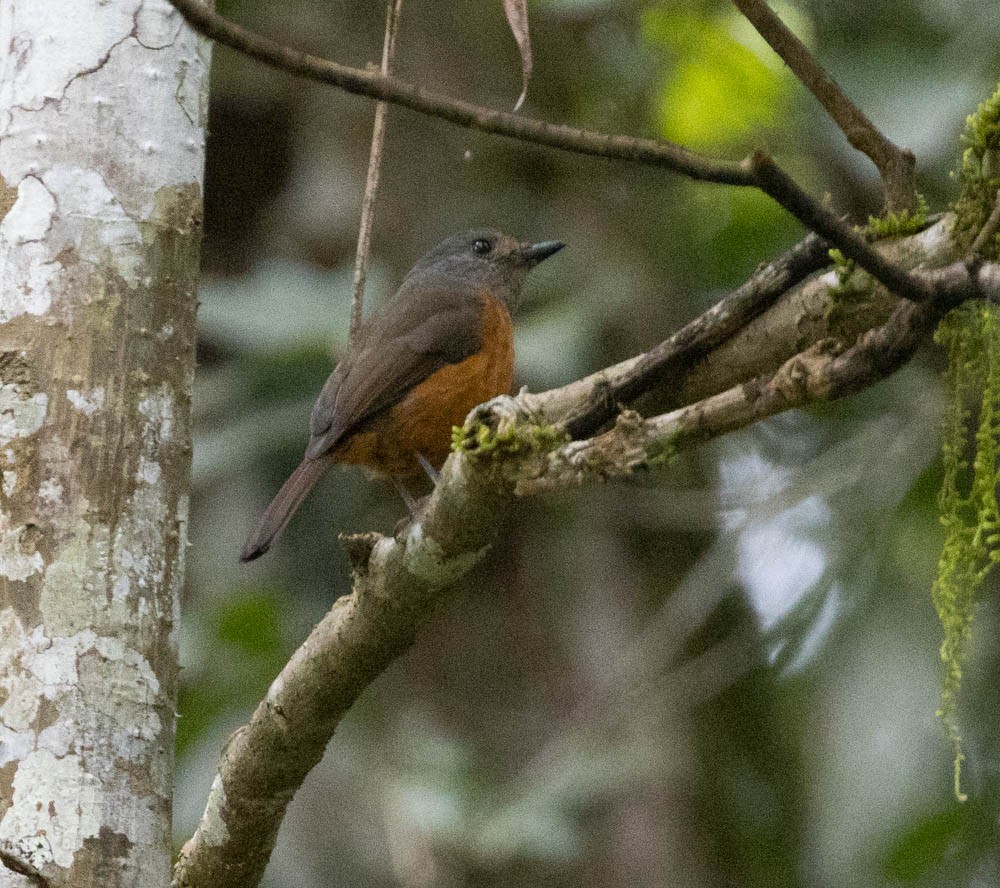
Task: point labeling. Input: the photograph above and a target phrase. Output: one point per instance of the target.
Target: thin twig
(988, 230)
(897, 166)
(374, 169)
(774, 181)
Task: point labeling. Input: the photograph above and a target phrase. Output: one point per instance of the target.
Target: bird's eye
(481, 247)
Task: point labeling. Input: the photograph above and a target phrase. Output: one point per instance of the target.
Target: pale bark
(102, 119)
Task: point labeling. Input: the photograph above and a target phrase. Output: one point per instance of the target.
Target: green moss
(843, 266)
(515, 440)
(978, 173)
(851, 284)
(968, 497)
(845, 296)
(899, 224)
(662, 453)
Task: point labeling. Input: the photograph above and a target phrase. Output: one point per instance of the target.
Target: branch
(897, 166)
(824, 372)
(374, 169)
(505, 452)
(774, 181)
(742, 335)
(584, 406)
(758, 170)
(969, 278)
(375, 85)
(400, 581)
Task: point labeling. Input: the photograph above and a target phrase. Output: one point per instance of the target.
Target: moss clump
(853, 294)
(852, 285)
(978, 174)
(901, 223)
(841, 264)
(662, 453)
(968, 497)
(844, 269)
(485, 442)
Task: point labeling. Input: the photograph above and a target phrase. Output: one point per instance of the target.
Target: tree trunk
(102, 118)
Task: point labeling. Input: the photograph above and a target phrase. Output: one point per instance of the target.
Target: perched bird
(441, 345)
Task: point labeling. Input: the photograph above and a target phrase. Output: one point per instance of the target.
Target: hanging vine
(968, 497)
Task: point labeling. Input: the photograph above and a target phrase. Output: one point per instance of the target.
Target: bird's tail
(277, 515)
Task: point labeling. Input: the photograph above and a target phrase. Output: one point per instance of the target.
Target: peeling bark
(102, 117)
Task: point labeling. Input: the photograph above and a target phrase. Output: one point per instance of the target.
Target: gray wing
(412, 335)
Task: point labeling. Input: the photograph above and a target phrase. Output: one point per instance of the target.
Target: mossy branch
(504, 450)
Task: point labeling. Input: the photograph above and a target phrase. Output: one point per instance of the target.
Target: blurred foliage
(244, 629)
(937, 844)
(726, 86)
(724, 672)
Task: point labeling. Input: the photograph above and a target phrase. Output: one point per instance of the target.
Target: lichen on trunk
(102, 113)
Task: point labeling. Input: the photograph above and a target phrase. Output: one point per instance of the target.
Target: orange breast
(422, 421)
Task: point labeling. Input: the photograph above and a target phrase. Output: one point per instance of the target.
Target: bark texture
(102, 120)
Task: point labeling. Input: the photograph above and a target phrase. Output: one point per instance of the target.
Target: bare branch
(742, 336)
(591, 402)
(964, 280)
(896, 165)
(823, 372)
(398, 583)
(374, 169)
(758, 170)
(378, 86)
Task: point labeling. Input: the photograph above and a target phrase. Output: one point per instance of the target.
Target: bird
(443, 343)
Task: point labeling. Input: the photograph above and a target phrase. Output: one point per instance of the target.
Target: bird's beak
(535, 253)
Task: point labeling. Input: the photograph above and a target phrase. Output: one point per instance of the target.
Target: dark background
(721, 673)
